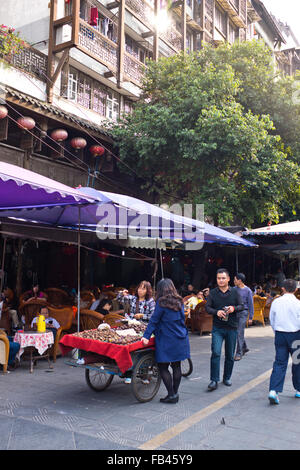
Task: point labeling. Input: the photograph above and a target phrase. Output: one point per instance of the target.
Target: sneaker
(127, 380)
(297, 394)
(273, 398)
(145, 381)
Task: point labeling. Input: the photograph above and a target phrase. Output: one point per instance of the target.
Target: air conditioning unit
(63, 34)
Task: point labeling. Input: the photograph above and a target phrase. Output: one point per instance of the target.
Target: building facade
(84, 64)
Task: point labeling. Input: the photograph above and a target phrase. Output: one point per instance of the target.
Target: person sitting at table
(51, 323)
(14, 348)
(193, 301)
(104, 306)
(35, 294)
(259, 291)
(141, 304)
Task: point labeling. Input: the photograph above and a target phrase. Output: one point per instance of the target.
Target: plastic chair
(4, 351)
(259, 304)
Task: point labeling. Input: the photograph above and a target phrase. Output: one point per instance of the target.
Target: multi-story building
(84, 64)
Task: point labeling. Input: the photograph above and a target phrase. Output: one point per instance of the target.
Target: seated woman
(142, 304)
(104, 306)
(35, 293)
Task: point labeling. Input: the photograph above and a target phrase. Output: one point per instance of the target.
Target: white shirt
(285, 313)
(54, 323)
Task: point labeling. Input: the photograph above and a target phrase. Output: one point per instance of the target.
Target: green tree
(192, 138)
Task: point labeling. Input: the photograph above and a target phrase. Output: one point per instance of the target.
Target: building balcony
(237, 11)
(30, 60)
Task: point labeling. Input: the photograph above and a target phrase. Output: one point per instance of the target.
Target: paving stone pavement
(56, 410)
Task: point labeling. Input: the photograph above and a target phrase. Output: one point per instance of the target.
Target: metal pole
(161, 265)
(78, 273)
(3, 264)
(236, 260)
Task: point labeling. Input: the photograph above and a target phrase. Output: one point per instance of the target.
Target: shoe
(228, 383)
(170, 399)
(145, 381)
(127, 380)
(273, 398)
(237, 357)
(297, 394)
(245, 351)
(213, 385)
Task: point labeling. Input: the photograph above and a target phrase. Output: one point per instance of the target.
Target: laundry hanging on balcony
(94, 16)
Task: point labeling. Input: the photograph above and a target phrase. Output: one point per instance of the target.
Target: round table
(35, 340)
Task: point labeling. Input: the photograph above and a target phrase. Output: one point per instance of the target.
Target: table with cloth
(120, 353)
(35, 340)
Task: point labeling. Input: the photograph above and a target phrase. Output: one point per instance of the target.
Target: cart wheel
(145, 378)
(98, 381)
(186, 367)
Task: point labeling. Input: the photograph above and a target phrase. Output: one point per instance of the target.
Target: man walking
(224, 303)
(285, 321)
(247, 298)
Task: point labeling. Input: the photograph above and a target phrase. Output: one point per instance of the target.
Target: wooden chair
(89, 319)
(201, 320)
(4, 351)
(64, 316)
(259, 304)
(5, 321)
(31, 309)
(57, 297)
(113, 319)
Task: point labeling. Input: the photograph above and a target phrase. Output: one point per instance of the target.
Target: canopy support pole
(236, 260)
(3, 264)
(78, 272)
(161, 265)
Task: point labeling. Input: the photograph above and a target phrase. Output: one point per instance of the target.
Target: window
(112, 106)
(72, 86)
(91, 94)
(221, 21)
(233, 34)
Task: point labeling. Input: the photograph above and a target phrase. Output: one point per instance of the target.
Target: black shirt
(217, 300)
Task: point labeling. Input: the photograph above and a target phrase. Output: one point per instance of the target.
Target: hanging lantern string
(113, 183)
(94, 138)
(105, 180)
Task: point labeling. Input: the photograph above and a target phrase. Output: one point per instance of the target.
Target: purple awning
(24, 189)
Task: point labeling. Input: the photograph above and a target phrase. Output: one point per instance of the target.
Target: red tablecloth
(120, 353)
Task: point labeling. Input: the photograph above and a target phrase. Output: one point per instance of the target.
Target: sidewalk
(57, 410)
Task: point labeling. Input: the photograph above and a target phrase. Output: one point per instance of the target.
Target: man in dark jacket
(223, 302)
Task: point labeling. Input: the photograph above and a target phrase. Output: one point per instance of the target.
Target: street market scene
(149, 227)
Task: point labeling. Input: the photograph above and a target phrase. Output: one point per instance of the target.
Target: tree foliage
(203, 132)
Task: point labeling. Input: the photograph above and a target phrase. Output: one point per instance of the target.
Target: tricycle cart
(103, 361)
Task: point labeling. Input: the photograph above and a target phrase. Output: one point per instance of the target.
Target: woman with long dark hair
(171, 337)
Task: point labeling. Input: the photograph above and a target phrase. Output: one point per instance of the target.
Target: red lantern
(59, 135)
(3, 112)
(97, 150)
(26, 123)
(78, 143)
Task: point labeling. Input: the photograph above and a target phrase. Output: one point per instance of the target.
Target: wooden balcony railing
(133, 68)
(97, 45)
(30, 60)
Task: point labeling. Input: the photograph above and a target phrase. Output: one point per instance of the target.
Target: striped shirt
(146, 307)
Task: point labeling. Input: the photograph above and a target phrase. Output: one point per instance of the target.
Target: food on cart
(104, 326)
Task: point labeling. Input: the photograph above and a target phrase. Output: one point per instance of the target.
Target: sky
(287, 10)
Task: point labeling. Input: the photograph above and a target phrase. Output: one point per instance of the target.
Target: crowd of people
(230, 306)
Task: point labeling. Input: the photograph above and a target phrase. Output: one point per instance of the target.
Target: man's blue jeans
(284, 347)
(218, 336)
